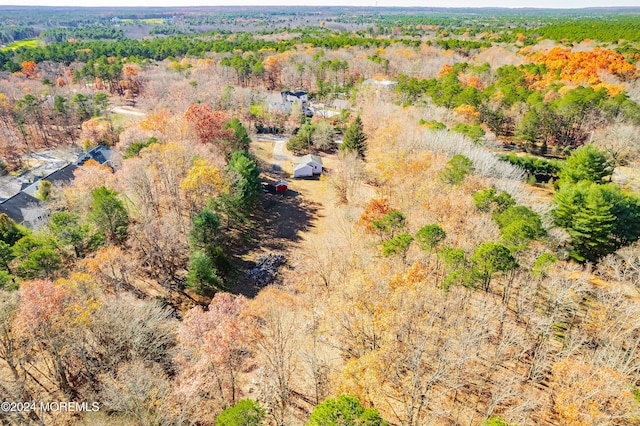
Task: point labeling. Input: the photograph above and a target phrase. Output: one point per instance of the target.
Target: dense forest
(468, 256)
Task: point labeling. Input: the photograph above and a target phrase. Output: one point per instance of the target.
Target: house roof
(310, 158)
(59, 177)
(100, 154)
(22, 207)
(299, 166)
(297, 94)
(63, 175)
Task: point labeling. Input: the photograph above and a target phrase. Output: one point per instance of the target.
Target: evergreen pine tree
(587, 163)
(599, 218)
(354, 139)
(593, 226)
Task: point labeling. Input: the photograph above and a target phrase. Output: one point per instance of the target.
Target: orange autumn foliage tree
(584, 67)
(97, 131)
(29, 69)
(467, 112)
(46, 307)
(156, 121)
(446, 69)
(209, 124)
(376, 209)
(113, 268)
(88, 178)
(130, 71)
(407, 344)
(273, 66)
(51, 324)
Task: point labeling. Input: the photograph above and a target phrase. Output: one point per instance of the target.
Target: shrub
(135, 148)
(245, 413)
(345, 410)
(457, 169)
(474, 132)
(487, 200)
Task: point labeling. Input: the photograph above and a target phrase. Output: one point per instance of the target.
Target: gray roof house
(101, 154)
(288, 99)
(302, 170)
(25, 210)
(307, 166)
(300, 96)
(314, 161)
(58, 178)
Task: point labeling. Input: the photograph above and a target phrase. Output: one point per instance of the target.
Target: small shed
(281, 186)
(314, 161)
(302, 170)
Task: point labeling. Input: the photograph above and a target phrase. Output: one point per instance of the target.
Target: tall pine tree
(599, 218)
(587, 163)
(355, 140)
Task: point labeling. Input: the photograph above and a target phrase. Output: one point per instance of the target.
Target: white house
(314, 161)
(300, 96)
(302, 170)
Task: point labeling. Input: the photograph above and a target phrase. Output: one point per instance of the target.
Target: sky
(427, 3)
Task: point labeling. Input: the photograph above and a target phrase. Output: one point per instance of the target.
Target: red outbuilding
(281, 186)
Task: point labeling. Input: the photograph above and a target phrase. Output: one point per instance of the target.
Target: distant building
(387, 84)
(288, 99)
(302, 97)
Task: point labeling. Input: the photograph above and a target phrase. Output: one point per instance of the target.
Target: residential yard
(292, 222)
(316, 192)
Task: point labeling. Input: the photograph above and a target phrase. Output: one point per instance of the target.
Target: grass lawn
(32, 42)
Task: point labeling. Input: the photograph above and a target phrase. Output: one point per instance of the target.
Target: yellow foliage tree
(468, 112)
(202, 182)
(156, 121)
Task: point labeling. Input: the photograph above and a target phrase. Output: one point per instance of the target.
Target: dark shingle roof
(21, 207)
(58, 178)
(64, 175)
(101, 154)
